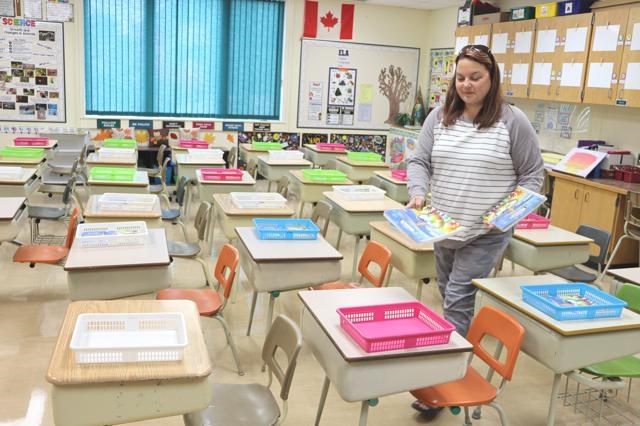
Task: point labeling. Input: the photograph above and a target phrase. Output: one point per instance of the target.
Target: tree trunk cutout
(394, 85)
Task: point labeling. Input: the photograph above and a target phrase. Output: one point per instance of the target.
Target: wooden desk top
(313, 147)
(386, 175)
(286, 250)
(612, 185)
(27, 174)
(140, 179)
(362, 206)
(186, 159)
(63, 370)
(230, 209)
(10, 206)
(374, 164)
(271, 162)
(553, 236)
(92, 210)
(390, 231)
(507, 290)
(246, 180)
(631, 275)
(298, 175)
(154, 253)
(23, 161)
(94, 159)
(322, 306)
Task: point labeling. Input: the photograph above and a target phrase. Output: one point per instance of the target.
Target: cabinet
(475, 34)
(600, 203)
(512, 46)
(629, 84)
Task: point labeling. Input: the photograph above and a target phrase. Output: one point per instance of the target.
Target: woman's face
(472, 82)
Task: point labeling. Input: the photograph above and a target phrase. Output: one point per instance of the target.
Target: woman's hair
(492, 103)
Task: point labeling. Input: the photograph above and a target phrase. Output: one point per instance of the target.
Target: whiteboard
(31, 71)
(354, 85)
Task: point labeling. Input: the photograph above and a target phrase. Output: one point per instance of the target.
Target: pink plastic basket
(34, 141)
(193, 144)
(399, 174)
(533, 221)
(330, 146)
(394, 326)
(221, 174)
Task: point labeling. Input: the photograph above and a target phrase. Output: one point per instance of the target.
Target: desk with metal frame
(310, 191)
(139, 185)
(94, 214)
(319, 156)
(93, 160)
(359, 171)
(273, 170)
(26, 185)
(396, 188)
(11, 211)
(31, 163)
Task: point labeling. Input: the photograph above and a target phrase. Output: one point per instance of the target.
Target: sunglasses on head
(481, 48)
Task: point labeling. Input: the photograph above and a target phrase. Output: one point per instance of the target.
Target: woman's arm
(419, 164)
(525, 152)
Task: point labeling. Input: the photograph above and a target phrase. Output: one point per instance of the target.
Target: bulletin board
(354, 85)
(31, 71)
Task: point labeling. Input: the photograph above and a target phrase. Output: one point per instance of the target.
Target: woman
(471, 153)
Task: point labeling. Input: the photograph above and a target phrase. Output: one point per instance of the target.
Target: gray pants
(457, 263)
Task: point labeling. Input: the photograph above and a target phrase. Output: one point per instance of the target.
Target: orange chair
(473, 389)
(208, 300)
(33, 254)
(375, 253)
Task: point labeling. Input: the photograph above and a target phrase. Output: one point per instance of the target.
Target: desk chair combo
(321, 216)
(156, 171)
(631, 227)
(39, 213)
(54, 181)
(175, 215)
(252, 167)
(232, 157)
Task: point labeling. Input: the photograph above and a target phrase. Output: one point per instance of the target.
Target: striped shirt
(469, 170)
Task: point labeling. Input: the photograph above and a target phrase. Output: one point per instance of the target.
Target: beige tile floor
(33, 302)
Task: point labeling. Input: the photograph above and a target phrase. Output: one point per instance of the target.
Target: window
(184, 58)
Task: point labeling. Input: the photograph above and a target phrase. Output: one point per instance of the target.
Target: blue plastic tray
(286, 229)
(552, 300)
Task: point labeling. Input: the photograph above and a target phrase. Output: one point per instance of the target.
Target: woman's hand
(416, 202)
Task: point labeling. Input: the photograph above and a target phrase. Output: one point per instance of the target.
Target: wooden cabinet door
(476, 34)
(604, 57)
(566, 204)
(599, 209)
(571, 61)
(518, 63)
(543, 82)
(501, 37)
(629, 84)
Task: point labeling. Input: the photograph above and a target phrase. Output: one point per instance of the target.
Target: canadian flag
(322, 20)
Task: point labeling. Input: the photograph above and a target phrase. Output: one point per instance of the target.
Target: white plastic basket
(258, 200)
(117, 154)
(111, 234)
(285, 155)
(127, 202)
(129, 337)
(11, 173)
(359, 192)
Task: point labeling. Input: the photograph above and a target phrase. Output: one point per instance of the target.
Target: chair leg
(467, 419)
(205, 270)
(184, 229)
(503, 416)
(611, 257)
(339, 238)
(254, 297)
(323, 398)
(232, 344)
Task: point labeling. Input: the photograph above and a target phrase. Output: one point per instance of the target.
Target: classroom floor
(33, 303)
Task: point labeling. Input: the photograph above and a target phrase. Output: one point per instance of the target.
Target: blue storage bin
(573, 7)
(286, 229)
(555, 300)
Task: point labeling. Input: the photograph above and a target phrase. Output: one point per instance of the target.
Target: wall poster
(31, 71)
(442, 68)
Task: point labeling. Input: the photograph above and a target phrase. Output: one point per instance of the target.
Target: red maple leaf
(328, 20)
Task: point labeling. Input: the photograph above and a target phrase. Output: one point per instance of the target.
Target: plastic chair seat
(237, 404)
(181, 249)
(575, 274)
(170, 214)
(628, 366)
(336, 285)
(40, 254)
(40, 212)
(207, 300)
(472, 389)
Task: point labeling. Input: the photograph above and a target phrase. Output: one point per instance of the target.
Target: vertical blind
(184, 58)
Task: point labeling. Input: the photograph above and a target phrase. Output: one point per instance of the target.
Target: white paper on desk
(482, 39)
(571, 74)
(635, 37)
(541, 73)
(600, 75)
(546, 41)
(632, 80)
(523, 42)
(576, 40)
(520, 74)
(606, 38)
(499, 43)
(460, 43)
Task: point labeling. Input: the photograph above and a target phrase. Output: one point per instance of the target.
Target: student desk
(112, 272)
(353, 217)
(94, 214)
(624, 275)
(31, 163)
(99, 394)
(68, 141)
(310, 191)
(139, 185)
(545, 249)
(247, 152)
(273, 170)
(11, 209)
(272, 266)
(396, 188)
(319, 156)
(415, 260)
(93, 160)
(562, 346)
(362, 376)
(188, 165)
(23, 187)
(359, 171)
(207, 188)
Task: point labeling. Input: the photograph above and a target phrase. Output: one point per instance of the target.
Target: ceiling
(417, 4)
